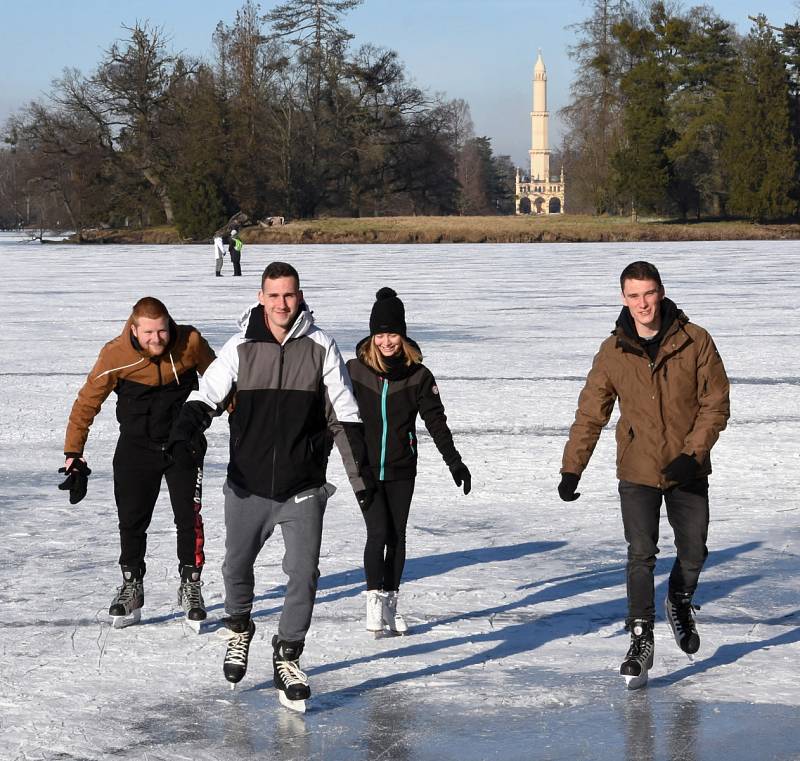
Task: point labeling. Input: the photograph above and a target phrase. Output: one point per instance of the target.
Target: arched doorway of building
(539, 204)
(525, 205)
(555, 206)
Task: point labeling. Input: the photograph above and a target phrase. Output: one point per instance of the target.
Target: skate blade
(690, 656)
(294, 705)
(195, 626)
(635, 682)
(120, 622)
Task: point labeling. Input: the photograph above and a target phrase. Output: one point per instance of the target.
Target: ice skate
(240, 635)
(375, 606)
(394, 621)
(126, 607)
(290, 680)
(679, 611)
(640, 654)
(190, 598)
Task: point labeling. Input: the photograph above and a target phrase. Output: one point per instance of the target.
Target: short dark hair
(274, 270)
(149, 307)
(639, 271)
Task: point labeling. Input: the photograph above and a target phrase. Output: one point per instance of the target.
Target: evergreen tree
(759, 152)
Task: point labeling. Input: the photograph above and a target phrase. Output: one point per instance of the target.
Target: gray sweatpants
(249, 521)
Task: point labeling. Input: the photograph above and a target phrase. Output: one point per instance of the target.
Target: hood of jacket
(672, 319)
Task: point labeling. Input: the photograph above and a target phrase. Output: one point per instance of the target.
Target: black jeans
(138, 470)
(386, 519)
(687, 512)
(236, 261)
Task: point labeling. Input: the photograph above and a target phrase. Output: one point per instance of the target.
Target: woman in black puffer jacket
(392, 386)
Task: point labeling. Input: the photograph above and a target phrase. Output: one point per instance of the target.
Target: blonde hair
(371, 356)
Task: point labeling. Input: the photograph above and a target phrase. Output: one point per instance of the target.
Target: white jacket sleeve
(219, 377)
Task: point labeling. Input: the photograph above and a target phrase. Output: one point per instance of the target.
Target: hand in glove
(77, 479)
(188, 453)
(682, 470)
(566, 489)
(460, 474)
(365, 498)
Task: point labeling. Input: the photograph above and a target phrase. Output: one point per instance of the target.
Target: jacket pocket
(624, 440)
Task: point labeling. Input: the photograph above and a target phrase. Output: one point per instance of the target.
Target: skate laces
(683, 615)
(291, 673)
(238, 644)
(190, 590)
(128, 592)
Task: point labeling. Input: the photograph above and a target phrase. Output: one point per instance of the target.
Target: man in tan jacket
(673, 395)
(152, 367)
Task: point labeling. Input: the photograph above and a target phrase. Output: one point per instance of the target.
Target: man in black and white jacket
(291, 398)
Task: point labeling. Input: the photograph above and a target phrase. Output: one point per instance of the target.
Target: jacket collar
(254, 324)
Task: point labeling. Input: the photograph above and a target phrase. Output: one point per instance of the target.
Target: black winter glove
(566, 489)
(365, 498)
(682, 470)
(460, 473)
(76, 481)
(188, 453)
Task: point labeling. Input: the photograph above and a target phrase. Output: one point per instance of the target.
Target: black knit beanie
(388, 314)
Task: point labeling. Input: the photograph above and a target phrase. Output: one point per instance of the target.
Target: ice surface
(515, 598)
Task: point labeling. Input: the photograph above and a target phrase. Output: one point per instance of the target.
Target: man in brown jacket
(673, 395)
(152, 366)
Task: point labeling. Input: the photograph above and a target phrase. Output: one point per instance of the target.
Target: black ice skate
(290, 681)
(126, 607)
(679, 611)
(190, 598)
(240, 635)
(640, 654)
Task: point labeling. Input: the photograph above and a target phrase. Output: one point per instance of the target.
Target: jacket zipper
(277, 414)
(384, 416)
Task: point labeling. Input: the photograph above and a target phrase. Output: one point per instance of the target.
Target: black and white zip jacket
(292, 399)
(389, 403)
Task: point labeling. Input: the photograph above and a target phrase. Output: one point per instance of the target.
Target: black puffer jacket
(388, 404)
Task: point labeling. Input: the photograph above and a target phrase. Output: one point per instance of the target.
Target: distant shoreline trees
(673, 114)
(286, 120)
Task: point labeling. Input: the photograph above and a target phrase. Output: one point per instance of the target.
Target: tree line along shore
(456, 229)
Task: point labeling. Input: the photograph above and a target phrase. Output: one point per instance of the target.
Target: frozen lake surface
(515, 599)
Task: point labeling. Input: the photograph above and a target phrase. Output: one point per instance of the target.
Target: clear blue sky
(480, 50)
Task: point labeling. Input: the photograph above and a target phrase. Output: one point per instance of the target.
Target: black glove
(76, 481)
(365, 498)
(188, 453)
(460, 473)
(566, 489)
(682, 470)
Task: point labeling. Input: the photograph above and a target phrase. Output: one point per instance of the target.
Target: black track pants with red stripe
(138, 470)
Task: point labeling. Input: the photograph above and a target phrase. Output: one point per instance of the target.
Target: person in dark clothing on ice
(673, 396)
(235, 246)
(292, 401)
(152, 366)
(392, 387)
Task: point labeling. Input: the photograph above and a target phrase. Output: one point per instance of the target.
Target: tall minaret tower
(539, 152)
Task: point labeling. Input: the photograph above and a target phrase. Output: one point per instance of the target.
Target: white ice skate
(375, 607)
(393, 620)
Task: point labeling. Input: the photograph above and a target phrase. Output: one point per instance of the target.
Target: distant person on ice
(235, 246)
(392, 387)
(221, 243)
(674, 401)
(152, 366)
(292, 400)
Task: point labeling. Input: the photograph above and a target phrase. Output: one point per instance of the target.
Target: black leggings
(138, 470)
(386, 519)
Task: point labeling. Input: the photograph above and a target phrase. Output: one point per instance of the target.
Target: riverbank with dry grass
(523, 229)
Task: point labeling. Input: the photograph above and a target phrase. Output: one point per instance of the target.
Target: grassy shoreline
(555, 229)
